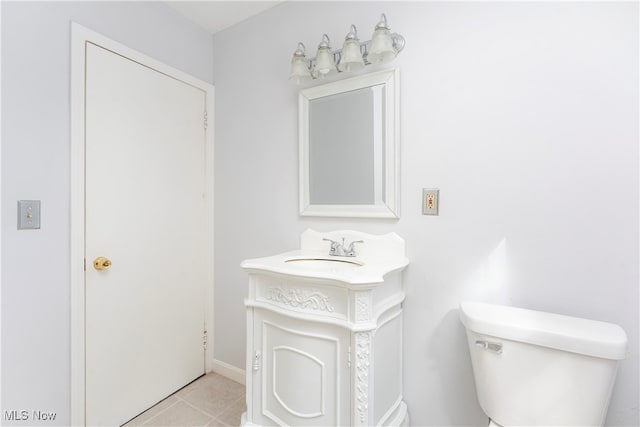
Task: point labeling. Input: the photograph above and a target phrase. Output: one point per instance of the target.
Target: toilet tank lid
(577, 335)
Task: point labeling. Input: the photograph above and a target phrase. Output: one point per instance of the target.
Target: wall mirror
(349, 147)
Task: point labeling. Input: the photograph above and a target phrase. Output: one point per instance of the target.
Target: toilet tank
(537, 368)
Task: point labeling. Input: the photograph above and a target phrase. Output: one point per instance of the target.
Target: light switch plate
(430, 201)
(28, 214)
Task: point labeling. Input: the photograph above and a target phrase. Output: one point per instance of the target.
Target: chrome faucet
(338, 249)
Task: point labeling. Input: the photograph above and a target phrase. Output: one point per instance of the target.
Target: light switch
(28, 214)
(430, 201)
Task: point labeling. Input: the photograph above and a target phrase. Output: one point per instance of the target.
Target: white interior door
(145, 212)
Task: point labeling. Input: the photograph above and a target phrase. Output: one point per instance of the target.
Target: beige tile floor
(212, 400)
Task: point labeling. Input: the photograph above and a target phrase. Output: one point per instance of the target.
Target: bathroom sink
(376, 256)
(320, 260)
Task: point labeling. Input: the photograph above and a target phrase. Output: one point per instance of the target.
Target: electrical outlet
(28, 214)
(430, 201)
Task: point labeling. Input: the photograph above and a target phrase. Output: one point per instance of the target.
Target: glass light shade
(351, 59)
(299, 71)
(382, 49)
(324, 62)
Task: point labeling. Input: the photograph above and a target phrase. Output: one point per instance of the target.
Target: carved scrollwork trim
(363, 352)
(300, 298)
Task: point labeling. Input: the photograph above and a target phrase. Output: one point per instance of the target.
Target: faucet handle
(334, 246)
(351, 250)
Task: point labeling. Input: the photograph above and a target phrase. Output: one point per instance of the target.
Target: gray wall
(35, 165)
(525, 115)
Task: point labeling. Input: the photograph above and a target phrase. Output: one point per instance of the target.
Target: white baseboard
(226, 370)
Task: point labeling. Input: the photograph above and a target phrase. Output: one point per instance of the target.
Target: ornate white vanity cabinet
(324, 333)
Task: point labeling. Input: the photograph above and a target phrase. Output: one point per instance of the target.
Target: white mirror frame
(390, 207)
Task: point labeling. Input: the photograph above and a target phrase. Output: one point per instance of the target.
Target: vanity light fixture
(383, 47)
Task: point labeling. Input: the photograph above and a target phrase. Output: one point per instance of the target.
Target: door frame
(80, 36)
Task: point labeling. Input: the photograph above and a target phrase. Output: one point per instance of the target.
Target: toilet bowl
(536, 368)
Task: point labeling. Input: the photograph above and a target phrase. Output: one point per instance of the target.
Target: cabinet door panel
(304, 376)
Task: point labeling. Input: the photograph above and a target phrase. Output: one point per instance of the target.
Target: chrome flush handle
(495, 347)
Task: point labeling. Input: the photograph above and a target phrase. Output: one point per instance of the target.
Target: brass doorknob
(101, 263)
